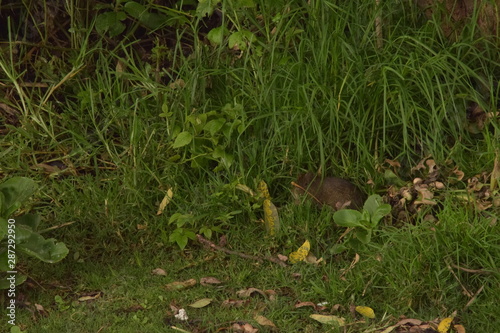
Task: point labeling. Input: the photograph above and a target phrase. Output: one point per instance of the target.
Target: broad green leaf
(134, 9)
(110, 22)
(238, 40)
(348, 218)
(47, 250)
(214, 125)
(372, 203)
(183, 139)
(3, 227)
(206, 7)
(363, 235)
(5, 284)
(338, 248)
(379, 213)
(216, 35)
(16, 191)
(30, 220)
(4, 263)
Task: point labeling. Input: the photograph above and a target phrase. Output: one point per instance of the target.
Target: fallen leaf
(180, 285)
(444, 325)
(245, 189)
(304, 304)
(201, 303)
(311, 259)
(158, 271)
(244, 293)
(328, 319)
(271, 217)
(365, 311)
(166, 200)
(301, 253)
(459, 328)
(206, 281)
(90, 296)
(263, 321)
(244, 328)
(236, 303)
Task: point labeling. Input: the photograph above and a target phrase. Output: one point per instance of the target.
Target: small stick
(211, 245)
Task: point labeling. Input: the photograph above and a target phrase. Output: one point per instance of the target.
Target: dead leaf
(263, 190)
(353, 263)
(244, 328)
(444, 325)
(301, 253)
(166, 200)
(207, 281)
(460, 174)
(201, 303)
(177, 84)
(311, 259)
(41, 310)
(234, 303)
(245, 189)
(304, 304)
(245, 293)
(263, 321)
(90, 296)
(392, 163)
(271, 217)
(459, 328)
(158, 271)
(328, 319)
(365, 311)
(282, 258)
(181, 285)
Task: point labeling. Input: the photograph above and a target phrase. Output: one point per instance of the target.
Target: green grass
(312, 92)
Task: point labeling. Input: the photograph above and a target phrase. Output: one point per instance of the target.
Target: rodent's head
(301, 185)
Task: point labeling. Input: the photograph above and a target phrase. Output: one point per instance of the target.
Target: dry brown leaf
(234, 303)
(90, 296)
(282, 258)
(244, 293)
(244, 328)
(207, 281)
(263, 321)
(304, 304)
(177, 84)
(459, 328)
(158, 271)
(166, 200)
(353, 263)
(392, 163)
(179, 285)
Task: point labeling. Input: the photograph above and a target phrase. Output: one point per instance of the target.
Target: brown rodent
(332, 191)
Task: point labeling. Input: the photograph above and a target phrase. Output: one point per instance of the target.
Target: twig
(211, 245)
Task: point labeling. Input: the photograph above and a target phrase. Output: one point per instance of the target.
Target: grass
(313, 91)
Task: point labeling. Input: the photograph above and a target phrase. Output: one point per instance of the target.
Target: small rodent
(332, 191)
